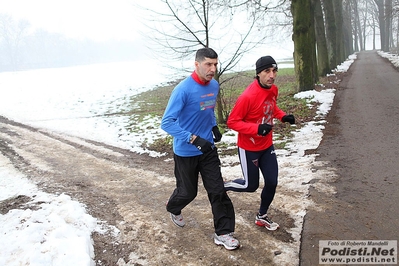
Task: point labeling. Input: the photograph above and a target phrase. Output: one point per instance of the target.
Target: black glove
(264, 129)
(202, 144)
(288, 118)
(216, 134)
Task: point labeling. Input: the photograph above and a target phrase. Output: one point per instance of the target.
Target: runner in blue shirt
(190, 118)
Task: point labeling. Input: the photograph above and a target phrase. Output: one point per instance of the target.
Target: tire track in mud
(90, 172)
(129, 191)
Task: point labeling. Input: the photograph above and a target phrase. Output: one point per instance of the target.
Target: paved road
(361, 142)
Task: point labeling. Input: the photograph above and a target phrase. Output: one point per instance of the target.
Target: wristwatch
(191, 138)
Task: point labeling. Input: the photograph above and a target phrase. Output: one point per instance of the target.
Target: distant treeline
(20, 49)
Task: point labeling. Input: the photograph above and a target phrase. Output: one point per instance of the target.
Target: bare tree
(388, 25)
(232, 28)
(12, 37)
(364, 13)
(357, 30)
(384, 19)
(321, 42)
(370, 18)
(347, 28)
(338, 14)
(396, 25)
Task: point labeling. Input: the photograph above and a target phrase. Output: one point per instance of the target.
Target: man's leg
(186, 173)
(269, 167)
(222, 207)
(250, 170)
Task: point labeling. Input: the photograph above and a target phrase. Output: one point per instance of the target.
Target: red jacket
(254, 106)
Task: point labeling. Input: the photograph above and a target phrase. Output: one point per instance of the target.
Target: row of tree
(324, 32)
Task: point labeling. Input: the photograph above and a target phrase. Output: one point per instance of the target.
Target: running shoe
(177, 220)
(265, 221)
(227, 240)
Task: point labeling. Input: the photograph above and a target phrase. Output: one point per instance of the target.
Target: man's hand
(202, 144)
(288, 118)
(217, 136)
(264, 129)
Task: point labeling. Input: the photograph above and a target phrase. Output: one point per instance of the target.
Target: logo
(209, 104)
(255, 162)
(358, 252)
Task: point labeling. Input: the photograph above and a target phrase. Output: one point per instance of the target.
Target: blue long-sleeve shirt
(190, 110)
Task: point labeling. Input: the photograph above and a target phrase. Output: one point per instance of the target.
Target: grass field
(153, 103)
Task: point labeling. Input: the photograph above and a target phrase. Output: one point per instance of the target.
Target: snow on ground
(394, 58)
(58, 233)
(71, 100)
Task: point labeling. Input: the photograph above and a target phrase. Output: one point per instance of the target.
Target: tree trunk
(331, 30)
(355, 28)
(347, 30)
(388, 24)
(364, 24)
(304, 44)
(397, 36)
(381, 22)
(374, 38)
(341, 56)
(220, 116)
(358, 27)
(321, 42)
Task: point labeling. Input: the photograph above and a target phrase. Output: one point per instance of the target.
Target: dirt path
(361, 143)
(129, 191)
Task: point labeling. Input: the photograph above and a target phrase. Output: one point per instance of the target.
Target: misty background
(48, 33)
(48, 50)
(56, 33)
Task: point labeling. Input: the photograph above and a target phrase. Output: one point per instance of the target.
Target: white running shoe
(265, 221)
(227, 240)
(177, 220)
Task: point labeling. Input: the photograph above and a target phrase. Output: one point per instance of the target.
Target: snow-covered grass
(71, 101)
(393, 58)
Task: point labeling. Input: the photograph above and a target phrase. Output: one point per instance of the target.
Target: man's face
(206, 69)
(267, 76)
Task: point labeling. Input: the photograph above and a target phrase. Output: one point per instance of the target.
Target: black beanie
(265, 62)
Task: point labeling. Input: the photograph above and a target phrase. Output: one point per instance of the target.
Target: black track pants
(187, 170)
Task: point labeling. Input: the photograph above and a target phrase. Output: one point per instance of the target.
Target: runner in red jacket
(252, 117)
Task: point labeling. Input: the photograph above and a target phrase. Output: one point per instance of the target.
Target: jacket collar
(195, 76)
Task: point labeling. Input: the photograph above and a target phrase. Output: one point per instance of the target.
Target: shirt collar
(195, 76)
(260, 84)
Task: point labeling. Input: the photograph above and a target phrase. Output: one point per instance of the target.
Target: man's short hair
(205, 52)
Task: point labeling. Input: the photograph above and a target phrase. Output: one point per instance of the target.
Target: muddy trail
(129, 191)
